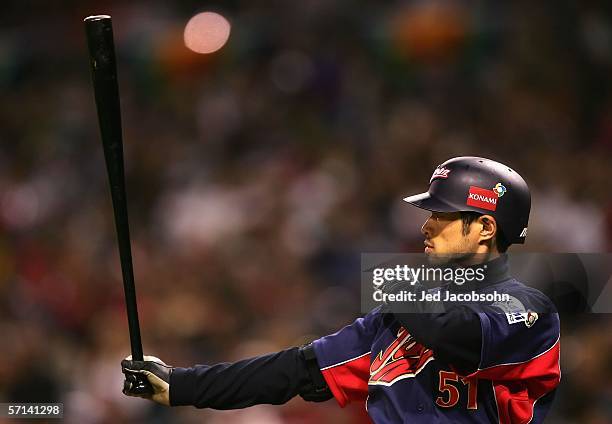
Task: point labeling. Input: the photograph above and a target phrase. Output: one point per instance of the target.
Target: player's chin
(434, 257)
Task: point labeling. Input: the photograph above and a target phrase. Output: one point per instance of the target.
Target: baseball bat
(99, 31)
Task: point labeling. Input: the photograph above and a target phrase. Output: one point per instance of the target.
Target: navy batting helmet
(480, 185)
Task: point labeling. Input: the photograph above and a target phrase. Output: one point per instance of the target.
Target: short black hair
(500, 240)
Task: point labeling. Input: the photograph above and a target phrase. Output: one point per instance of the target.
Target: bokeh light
(206, 32)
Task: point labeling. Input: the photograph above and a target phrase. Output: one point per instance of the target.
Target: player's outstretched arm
(268, 379)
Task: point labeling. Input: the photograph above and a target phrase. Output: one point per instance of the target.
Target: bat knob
(136, 384)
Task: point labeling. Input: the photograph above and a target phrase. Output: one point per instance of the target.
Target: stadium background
(257, 175)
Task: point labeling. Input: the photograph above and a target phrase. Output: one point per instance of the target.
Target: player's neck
(482, 254)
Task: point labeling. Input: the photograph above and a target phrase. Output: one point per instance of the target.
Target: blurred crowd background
(257, 175)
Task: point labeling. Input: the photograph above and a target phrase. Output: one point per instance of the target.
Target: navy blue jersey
(377, 361)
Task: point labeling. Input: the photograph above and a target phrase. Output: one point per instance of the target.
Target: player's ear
(488, 227)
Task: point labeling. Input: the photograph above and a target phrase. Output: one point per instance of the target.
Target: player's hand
(155, 371)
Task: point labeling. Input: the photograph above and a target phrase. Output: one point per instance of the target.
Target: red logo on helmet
(482, 198)
(403, 358)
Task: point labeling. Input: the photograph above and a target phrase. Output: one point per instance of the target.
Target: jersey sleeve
(268, 379)
(520, 355)
(344, 359)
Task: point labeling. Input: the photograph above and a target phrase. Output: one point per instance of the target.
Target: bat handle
(137, 384)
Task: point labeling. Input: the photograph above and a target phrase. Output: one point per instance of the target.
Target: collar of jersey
(496, 271)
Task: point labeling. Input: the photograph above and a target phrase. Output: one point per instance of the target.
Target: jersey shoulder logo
(403, 358)
(516, 312)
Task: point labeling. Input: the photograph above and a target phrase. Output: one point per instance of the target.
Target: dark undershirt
(271, 379)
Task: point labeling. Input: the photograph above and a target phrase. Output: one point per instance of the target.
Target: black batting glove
(155, 371)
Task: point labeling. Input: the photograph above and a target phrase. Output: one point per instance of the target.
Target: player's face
(444, 236)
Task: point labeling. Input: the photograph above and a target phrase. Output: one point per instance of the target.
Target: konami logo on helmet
(482, 198)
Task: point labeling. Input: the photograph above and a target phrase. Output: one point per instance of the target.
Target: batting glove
(155, 371)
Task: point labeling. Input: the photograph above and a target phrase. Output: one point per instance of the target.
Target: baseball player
(472, 361)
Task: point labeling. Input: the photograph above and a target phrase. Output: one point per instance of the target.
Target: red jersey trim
(347, 380)
(518, 386)
(555, 345)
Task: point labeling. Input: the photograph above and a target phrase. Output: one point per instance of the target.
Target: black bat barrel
(99, 32)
